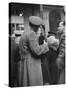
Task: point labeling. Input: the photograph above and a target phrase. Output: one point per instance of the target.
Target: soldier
(30, 51)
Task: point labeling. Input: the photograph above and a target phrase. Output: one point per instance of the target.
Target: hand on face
(61, 27)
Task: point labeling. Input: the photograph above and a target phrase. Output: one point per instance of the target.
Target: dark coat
(14, 58)
(61, 56)
(51, 58)
(61, 49)
(45, 68)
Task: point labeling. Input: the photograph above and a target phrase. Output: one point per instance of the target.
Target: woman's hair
(64, 23)
(43, 26)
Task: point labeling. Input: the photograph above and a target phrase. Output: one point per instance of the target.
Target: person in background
(30, 52)
(61, 53)
(53, 44)
(14, 58)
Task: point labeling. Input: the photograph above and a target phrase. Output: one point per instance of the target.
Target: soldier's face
(39, 32)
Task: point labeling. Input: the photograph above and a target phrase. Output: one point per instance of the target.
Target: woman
(30, 50)
(53, 44)
(45, 69)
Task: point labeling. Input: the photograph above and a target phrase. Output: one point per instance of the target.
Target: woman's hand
(59, 63)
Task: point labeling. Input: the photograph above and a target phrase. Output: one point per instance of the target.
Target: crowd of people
(41, 58)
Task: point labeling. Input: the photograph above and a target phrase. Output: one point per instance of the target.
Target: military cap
(35, 20)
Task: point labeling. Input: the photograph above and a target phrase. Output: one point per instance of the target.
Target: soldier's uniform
(32, 71)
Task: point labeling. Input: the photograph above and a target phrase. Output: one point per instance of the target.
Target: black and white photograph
(36, 44)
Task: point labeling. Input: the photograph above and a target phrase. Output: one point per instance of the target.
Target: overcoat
(61, 56)
(30, 51)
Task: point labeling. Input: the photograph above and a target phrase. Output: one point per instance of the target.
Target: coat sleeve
(34, 45)
(62, 48)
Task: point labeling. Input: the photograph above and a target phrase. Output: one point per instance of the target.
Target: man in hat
(14, 59)
(30, 51)
(61, 53)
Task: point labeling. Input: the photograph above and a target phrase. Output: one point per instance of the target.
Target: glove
(60, 63)
(45, 42)
(46, 46)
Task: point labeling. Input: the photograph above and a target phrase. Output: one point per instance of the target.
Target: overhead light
(21, 14)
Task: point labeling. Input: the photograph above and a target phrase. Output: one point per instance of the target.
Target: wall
(46, 20)
(35, 10)
(29, 11)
